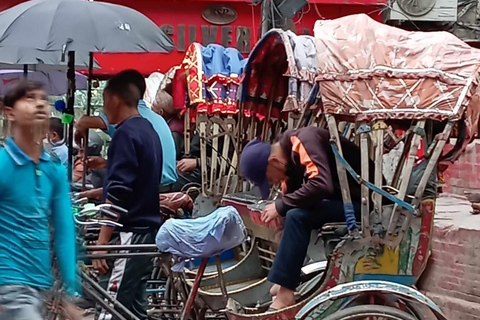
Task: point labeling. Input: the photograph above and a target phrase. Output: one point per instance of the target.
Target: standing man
(34, 194)
(305, 164)
(134, 171)
(169, 172)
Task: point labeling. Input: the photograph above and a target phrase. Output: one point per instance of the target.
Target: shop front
(233, 23)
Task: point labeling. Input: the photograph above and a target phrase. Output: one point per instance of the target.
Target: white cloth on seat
(202, 237)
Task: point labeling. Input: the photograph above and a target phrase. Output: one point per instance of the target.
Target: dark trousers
(297, 229)
(127, 279)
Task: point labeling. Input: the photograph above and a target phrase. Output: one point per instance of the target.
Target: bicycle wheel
(370, 312)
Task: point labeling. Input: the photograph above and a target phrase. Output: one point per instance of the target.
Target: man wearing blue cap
(305, 164)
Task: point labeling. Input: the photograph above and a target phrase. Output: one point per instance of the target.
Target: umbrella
(38, 60)
(55, 81)
(79, 25)
(83, 26)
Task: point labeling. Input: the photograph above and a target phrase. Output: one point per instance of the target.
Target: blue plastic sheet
(202, 237)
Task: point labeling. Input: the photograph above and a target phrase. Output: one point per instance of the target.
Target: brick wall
(452, 277)
(464, 174)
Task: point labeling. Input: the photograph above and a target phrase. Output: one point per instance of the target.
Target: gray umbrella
(79, 25)
(38, 60)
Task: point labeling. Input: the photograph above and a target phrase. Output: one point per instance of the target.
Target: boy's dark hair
(56, 126)
(136, 78)
(19, 90)
(129, 85)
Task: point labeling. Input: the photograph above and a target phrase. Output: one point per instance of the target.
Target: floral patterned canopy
(369, 70)
(207, 80)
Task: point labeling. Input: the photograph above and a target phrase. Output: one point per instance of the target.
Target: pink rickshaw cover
(369, 70)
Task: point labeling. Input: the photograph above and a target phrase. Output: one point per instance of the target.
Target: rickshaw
(378, 81)
(204, 87)
(245, 281)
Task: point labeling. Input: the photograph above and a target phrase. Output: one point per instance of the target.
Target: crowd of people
(141, 161)
(145, 159)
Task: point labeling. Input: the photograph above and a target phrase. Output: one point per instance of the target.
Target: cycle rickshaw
(387, 88)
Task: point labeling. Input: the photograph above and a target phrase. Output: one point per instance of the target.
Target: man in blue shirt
(55, 136)
(169, 172)
(34, 193)
(134, 171)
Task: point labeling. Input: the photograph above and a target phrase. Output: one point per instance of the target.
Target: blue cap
(253, 164)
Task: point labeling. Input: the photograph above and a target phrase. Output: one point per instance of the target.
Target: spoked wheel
(176, 295)
(370, 312)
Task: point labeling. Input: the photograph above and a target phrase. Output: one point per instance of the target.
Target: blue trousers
(297, 229)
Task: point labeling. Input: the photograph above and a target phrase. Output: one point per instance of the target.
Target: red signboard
(236, 24)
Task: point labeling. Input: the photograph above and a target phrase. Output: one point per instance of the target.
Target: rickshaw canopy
(280, 71)
(371, 71)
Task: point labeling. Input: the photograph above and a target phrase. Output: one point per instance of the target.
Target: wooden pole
(432, 163)
(342, 177)
(406, 173)
(365, 131)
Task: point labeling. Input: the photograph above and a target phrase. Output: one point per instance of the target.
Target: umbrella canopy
(38, 60)
(55, 81)
(79, 25)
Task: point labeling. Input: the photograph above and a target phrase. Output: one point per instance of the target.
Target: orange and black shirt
(311, 170)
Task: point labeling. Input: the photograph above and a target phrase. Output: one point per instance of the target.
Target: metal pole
(70, 108)
(266, 16)
(117, 305)
(122, 247)
(221, 280)
(121, 255)
(89, 104)
(98, 299)
(272, 14)
(186, 314)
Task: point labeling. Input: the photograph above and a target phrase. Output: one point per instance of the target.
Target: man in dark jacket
(303, 161)
(134, 172)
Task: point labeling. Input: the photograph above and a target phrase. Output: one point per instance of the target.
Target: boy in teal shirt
(34, 192)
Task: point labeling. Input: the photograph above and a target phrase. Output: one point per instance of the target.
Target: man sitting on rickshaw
(188, 166)
(303, 161)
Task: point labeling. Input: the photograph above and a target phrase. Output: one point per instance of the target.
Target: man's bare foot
(284, 298)
(475, 207)
(274, 290)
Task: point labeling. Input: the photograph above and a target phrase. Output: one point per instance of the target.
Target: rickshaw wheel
(370, 312)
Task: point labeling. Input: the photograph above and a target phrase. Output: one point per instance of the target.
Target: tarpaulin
(370, 70)
(202, 237)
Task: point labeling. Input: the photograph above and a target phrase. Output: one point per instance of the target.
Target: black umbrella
(79, 25)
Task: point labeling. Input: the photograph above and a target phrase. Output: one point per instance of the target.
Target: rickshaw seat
(203, 237)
